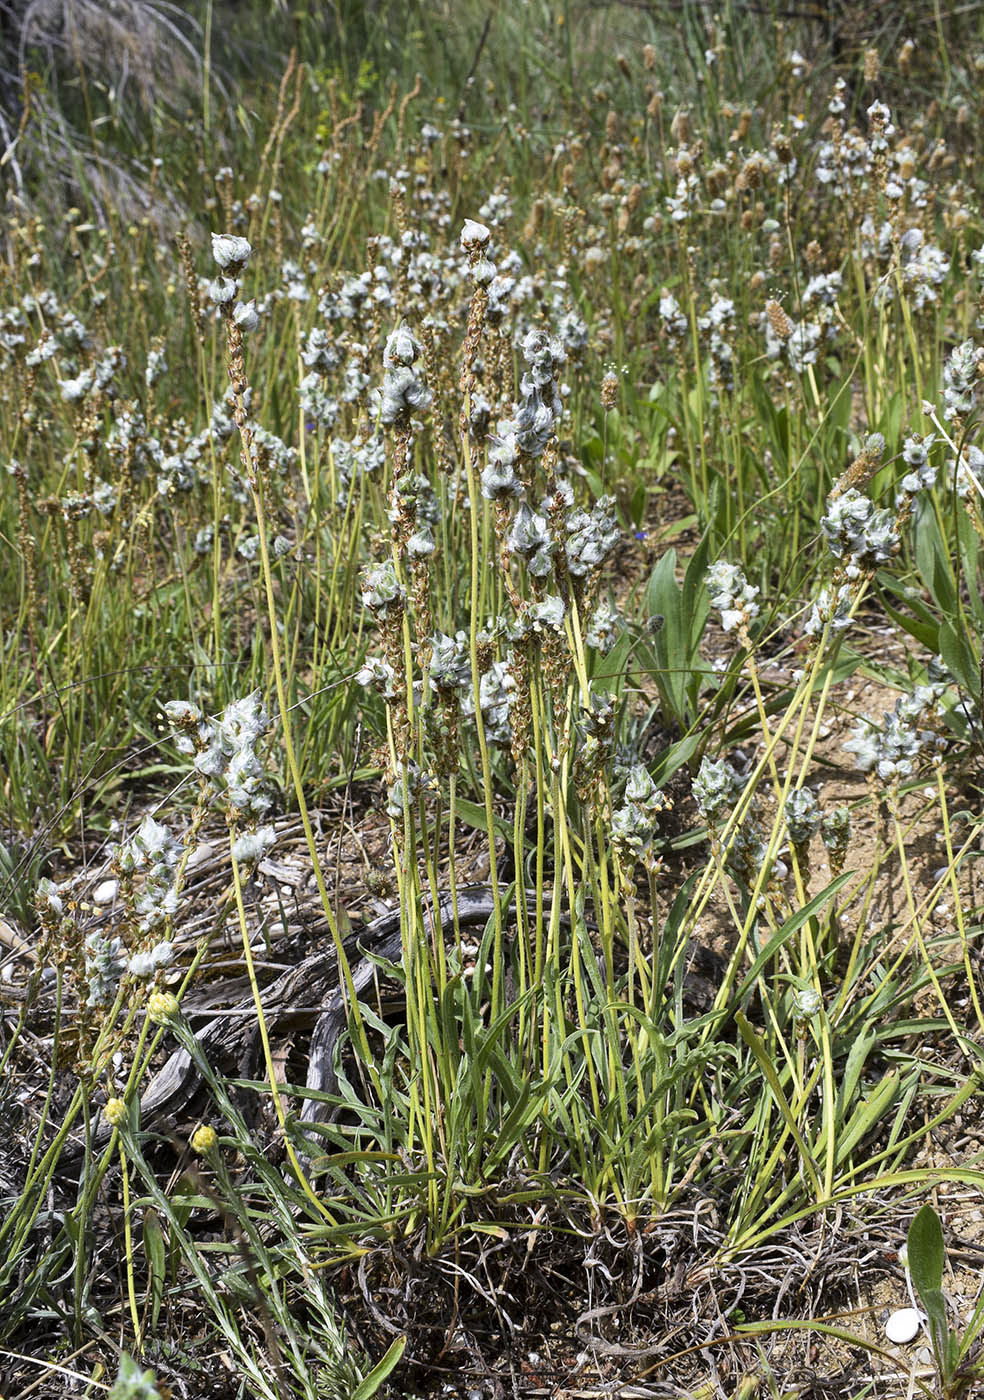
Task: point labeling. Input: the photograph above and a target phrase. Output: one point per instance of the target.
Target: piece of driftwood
(310, 994)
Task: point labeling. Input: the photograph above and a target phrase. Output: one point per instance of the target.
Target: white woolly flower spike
(230, 252)
(245, 315)
(474, 235)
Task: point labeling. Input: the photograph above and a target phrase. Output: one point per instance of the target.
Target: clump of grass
(399, 461)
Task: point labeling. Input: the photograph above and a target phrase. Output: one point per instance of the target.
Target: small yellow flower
(203, 1140)
(115, 1112)
(161, 1006)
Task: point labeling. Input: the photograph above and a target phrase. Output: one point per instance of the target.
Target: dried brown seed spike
(781, 325)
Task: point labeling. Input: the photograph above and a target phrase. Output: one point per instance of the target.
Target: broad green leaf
(924, 1245)
(924, 625)
(925, 1256)
(369, 1385)
(792, 925)
(475, 816)
(756, 1044)
(869, 1112)
(861, 1046)
(153, 1244)
(959, 659)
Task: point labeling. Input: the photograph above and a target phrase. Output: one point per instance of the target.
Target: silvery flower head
(421, 543)
(807, 1003)
(854, 529)
(319, 351)
(188, 722)
(417, 499)
(802, 815)
(715, 788)
(105, 963)
(72, 390)
(604, 628)
(915, 449)
(641, 789)
(500, 291)
(415, 780)
(822, 288)
(497, 694)
(732, 595)
(533, 423)
(965, 474)
(292, 276)
(351, 297)
(802, 345)
(402, 348)
(245, 315)
(914, 483)
(499, 481)
(529, 537)
(901, 744)
(483, 272)
(251, 846)
(450, 666)
(155, 844)
(845, 522)
(830, 609)
(318, 406)
(591, 538)
(634, 824)
(835, 829)
(48, 901)
(474, 236)
(223, 290)
(157, 902)
(226, 753)
(403, 393)
(863, 743)
(47, 348)
(243, 722)
(230, 252)
(599, 718)
(892, 749)
(378, 675)
(674, 321)
(156, 366)
(960, 379)
(572, 333)
(146, 965)
(543, 355)
(245, 784)
(104, 496)
(548, 614)
(922, 700)
(110, 362)
(382, 593)
(479, 415)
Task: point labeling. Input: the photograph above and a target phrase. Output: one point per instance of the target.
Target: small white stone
(105, 892)
(903, 1325)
